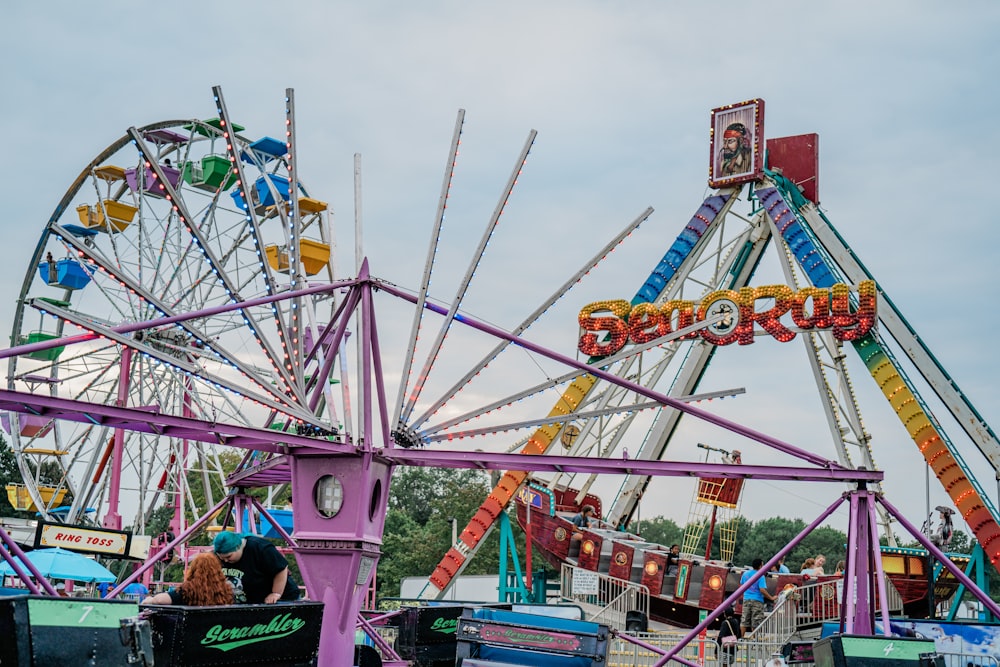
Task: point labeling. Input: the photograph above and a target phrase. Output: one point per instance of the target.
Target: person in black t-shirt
(264, 570)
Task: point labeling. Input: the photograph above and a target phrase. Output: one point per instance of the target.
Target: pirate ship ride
(681, 590)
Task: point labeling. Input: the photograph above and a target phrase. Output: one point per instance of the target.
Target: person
(753, 598)
(729, 634)
(673, 559)
(136, 590)
(818, 562)
(777, 660)
(204, 585)
(581, 520)
(808, 567)
(104, 588)
(262, 570)
(941, 537)
(53, 273)
(782, 568)
(841, 566)
(736, 154)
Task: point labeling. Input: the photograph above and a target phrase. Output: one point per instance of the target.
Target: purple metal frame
(337, 554)
(15, 563)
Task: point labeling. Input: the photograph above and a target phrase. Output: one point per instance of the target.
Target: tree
(422, 504)
(659, 530)
(825, 540)
(9, 474)
(766, 537)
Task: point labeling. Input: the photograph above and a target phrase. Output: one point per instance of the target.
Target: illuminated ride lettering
(609, 325)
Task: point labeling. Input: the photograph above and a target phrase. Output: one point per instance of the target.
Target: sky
(903, 95)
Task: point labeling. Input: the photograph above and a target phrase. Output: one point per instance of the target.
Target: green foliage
(9, 474)
(761, 540)
(659, 530)
(422, 503)
(767, 537)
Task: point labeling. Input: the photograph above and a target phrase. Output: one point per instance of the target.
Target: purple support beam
(146, 421)
(132, 327)
(240, 506)
(274, 522)
(367, 321)
(859, 613)
(752, 581)
(981, 595)
(13, 548)
(112, 519)
(351, 302)
(626, 384)
(880, 580)
(180, 539)
(383, 410)
(264, 439)
(382, 644)
(550, 463)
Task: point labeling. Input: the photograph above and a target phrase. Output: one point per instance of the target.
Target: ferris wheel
(182, 219)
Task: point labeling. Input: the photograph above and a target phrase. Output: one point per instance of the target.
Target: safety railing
(622, 653)
(807, 606)
(969, 660)
(604, 599)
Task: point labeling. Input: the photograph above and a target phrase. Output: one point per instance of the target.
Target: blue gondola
(265, 149)
(261, 193)
(66, 273)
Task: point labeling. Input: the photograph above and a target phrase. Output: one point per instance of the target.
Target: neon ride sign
(609, 325)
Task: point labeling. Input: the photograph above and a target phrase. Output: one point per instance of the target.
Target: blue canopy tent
(56, 563)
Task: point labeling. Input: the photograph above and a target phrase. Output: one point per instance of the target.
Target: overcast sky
(903, 94)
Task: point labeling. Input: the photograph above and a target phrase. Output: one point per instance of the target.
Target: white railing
(969, 660)
(612, 597)
(808, 607)
(622, 653)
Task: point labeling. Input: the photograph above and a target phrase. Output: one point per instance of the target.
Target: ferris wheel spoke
(181, 364)
(546, 420)
(235, 158)
(588, 266)
(425, 282)
(467, 279)
(623, 358)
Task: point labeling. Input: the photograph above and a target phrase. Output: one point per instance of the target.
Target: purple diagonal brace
(752, 581)
(945, 561)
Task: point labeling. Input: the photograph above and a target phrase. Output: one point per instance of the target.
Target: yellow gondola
(109, 216)
(314, 255)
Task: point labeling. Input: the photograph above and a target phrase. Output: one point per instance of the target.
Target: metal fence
(622, 653)
(807, 607)
(613, 598)
(969, 660)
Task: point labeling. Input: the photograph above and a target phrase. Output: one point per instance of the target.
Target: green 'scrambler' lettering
(444, 625)
(226, 639)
